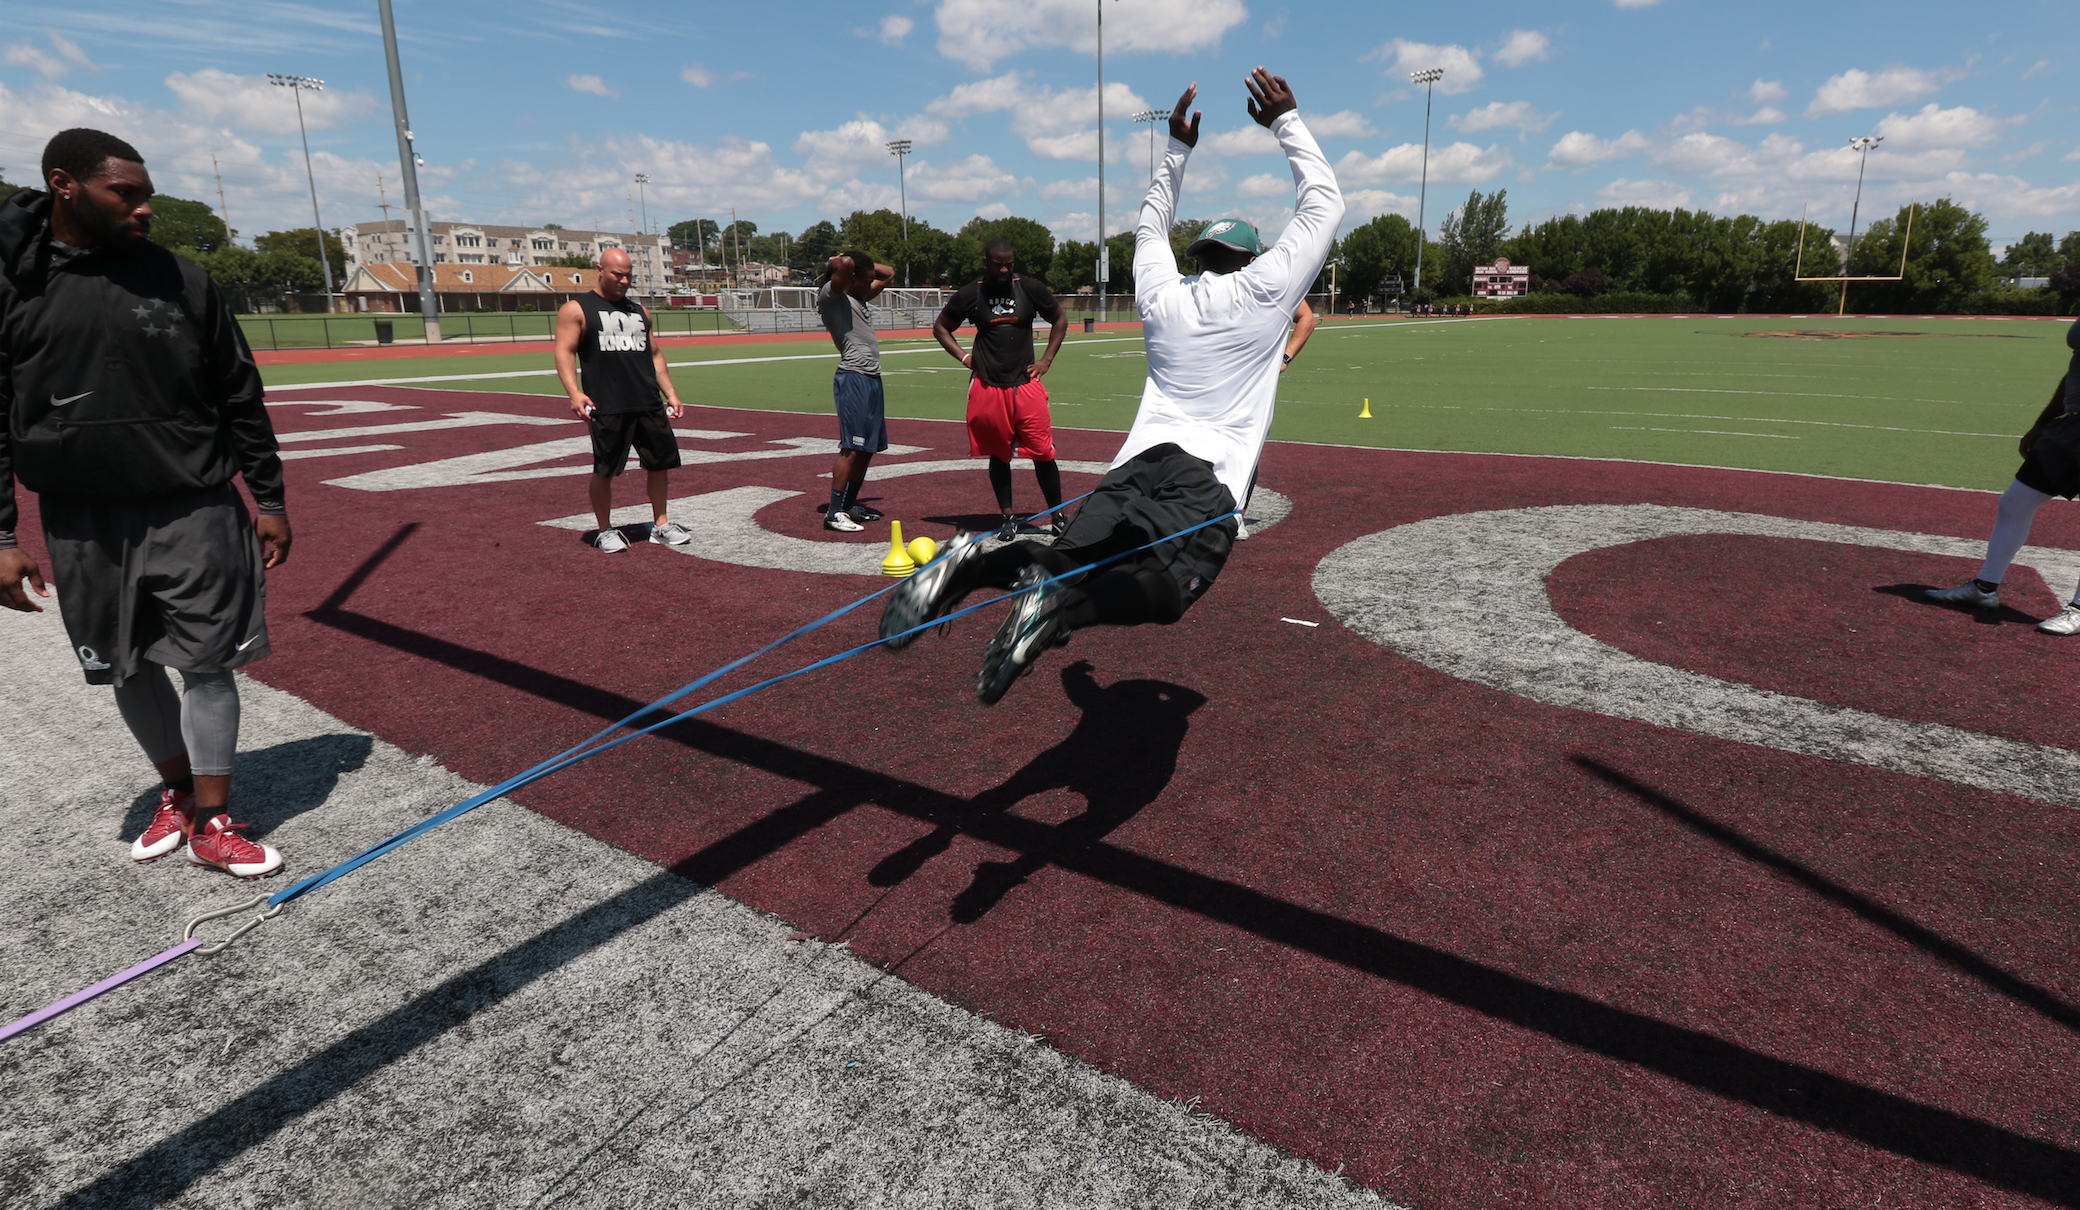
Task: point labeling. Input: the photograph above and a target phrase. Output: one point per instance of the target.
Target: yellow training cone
(898, 563)
(1365, 413)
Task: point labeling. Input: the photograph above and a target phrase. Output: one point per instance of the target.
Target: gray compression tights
(202, 721)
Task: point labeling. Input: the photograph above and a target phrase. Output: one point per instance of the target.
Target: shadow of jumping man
(1121, 755)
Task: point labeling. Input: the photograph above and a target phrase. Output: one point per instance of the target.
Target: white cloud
(1521, 46)
(1055, 125)
(855, 145)
(1579, 149)
(1343, 124)
(250, 103)
(1264, 184)
(2039, 65)
(894, 28)
(1767, 92)
(1241, 142)
(981, 96)
(69, 51)
(1896, 85)
(1768, 115)
(26, 54)
(1462, 69)
(1932, 127)
(1661, 195)
(592, 84)
(2010, 196)
(1364, 205)
(1516, 115)
(697, 75)
(980, 32)
(1458, 164)
(993, 210)
(1637, 3)
(967, 180)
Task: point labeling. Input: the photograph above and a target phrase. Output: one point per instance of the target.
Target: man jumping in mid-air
(1214, 345)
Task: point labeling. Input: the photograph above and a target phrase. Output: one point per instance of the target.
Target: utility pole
(642, 180)
(222, 209)
(416, 228)
(1104, 261)
(384, 194)
(1428, 79)
(297, 86)
(899, 149)
(736, 236)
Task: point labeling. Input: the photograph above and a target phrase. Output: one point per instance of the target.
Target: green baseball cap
(1233, 232)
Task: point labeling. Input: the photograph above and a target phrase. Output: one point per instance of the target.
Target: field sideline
(1934, 401)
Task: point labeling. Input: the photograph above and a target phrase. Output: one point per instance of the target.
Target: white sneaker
(2067, 622)
(671, 533)
(842, 522)
(1967, 593)
(611, 541)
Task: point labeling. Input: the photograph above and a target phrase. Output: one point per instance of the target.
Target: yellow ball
(922, 550)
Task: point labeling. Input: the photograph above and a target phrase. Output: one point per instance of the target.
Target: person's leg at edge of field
(601, 492)
(2011, 525)
(659, 483)
(1000, 485)
(1034, 431)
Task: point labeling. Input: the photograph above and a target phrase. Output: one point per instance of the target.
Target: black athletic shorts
(174, 579)
(648, 433)
(1160, 491)
(2034, 475)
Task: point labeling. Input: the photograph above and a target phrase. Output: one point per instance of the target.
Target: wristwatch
(1287, 359)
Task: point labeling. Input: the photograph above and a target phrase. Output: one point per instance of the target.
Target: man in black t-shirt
(1007, 406)
(627, 400)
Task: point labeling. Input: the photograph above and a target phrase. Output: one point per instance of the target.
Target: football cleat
(1035, 624)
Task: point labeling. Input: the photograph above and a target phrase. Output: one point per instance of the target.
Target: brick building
(383, 242)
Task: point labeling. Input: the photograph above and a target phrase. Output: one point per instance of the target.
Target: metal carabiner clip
(211, 951)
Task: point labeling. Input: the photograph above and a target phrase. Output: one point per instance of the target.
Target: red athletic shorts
(999, 417)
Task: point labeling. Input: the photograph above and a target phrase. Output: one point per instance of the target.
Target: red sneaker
(217, 843)
(171, 822)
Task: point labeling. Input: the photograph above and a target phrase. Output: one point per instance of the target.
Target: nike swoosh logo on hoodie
(59, 403)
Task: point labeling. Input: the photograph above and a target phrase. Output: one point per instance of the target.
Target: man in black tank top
(627, 399)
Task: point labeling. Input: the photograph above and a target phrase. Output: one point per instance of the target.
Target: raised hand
(1269, 96)
(1181, 130)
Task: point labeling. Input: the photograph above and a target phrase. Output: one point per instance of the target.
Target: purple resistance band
(78, 998)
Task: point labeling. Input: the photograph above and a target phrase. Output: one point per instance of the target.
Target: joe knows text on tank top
(614, 355)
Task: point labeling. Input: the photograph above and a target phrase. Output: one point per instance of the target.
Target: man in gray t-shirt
(851, 282)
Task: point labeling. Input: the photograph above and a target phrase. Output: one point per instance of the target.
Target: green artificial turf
(1943, 405)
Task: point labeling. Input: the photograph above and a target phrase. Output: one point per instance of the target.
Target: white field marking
(454, 420)
(1831, 424)
(897, 470)
(334, 453)
(1298, 622)
(499, 466)
(1466, 594)
(726, 529)
(676, 365)
(1634, 428)
(1783, 394)
(342, 407)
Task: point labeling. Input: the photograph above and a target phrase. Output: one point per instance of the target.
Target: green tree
(2069, 249)
(572, 260)
(230, 266)
(303, 242)
(1947, 260)
(180, 223)
(7, 190)
(2034, 252)
(1032, 247)
(1471, 235)
(693, 233)
(1370, 252)
(813, 248)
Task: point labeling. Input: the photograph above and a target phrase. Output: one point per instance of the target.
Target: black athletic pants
(1126, 593)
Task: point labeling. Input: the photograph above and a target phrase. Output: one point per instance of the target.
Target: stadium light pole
(1151, 116)
(899, 149)
(297, 86)
(1861, 145)
(643, 199)
(1428, 78)
(408, 164)
(1104, 262)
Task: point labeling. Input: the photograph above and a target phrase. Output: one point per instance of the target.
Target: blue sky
(535, 111)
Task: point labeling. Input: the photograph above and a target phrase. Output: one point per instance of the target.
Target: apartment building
(384, 243)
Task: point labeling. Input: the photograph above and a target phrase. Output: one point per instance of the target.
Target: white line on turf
(676, 365)
(1634, 428)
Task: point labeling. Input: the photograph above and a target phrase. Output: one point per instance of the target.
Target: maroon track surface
(1479, 951)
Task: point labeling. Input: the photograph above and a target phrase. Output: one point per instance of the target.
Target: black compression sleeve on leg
(1000, 483)
(1049, 473)
(1126, 596)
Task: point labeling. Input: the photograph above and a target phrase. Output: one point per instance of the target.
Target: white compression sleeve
(2019, 505)
(209, 721)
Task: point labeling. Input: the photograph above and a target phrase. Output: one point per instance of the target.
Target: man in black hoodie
(131, 401)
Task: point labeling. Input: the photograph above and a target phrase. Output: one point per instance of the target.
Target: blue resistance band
(573, 756)
(584, 750)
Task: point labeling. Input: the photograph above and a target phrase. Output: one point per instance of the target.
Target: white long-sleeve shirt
(1214, 339)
